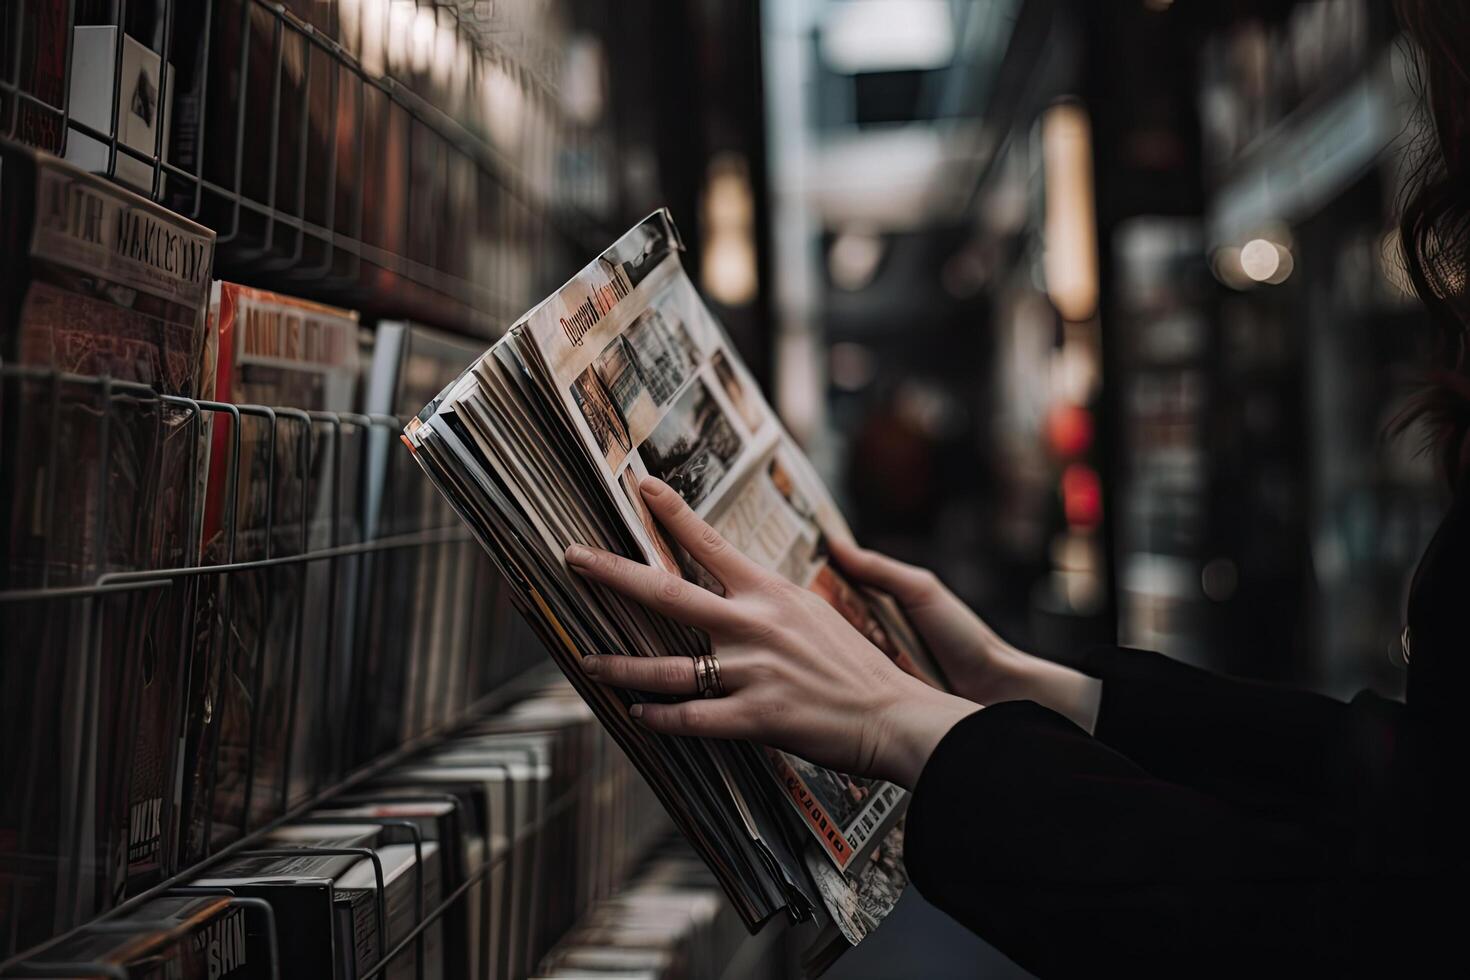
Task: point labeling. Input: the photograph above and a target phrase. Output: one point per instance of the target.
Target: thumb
(908, 584)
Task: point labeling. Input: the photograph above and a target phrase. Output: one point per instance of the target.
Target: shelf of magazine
(130, 782)
(669, 919)
(431, 909)
(343, 162)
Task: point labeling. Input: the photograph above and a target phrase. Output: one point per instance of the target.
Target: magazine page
(653, 387)
(621, 374)
(696, 782)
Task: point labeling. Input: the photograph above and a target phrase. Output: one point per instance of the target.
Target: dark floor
(919, 942)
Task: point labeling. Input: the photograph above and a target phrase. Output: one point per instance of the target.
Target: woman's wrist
(998, 672)
(911, 727)
(1065, 690)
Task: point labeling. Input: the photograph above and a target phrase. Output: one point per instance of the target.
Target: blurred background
(1093, 306)
(1097, 309)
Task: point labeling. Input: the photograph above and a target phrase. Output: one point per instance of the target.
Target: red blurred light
(1082, 495)
(1069, 430)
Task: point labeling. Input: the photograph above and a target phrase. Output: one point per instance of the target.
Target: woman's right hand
(977, 662)
(980, 665)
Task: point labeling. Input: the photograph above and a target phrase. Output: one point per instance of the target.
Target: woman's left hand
(798, 677)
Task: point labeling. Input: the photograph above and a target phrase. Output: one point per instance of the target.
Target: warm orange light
(728, 271)
(1070, 261)
(853, 259)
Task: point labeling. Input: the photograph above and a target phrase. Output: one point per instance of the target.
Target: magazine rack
(270, 235)
(267, 233)
(511, 669)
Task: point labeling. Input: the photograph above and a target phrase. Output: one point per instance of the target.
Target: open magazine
(624, 373)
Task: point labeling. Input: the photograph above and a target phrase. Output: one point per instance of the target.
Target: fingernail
(636, 711)
(652, 486)
(578, 555)
(592, 663)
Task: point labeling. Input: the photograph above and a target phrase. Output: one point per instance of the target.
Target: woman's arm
(1273, 747)
(1276, 749)
(1068, 855)
(802, 679)
(799, 677)
(979, 664)
(1076, 862)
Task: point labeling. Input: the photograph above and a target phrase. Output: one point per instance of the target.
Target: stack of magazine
(338, 610)
(670, 922)
(472, 860)
(623, 373)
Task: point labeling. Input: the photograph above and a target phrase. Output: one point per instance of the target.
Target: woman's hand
(798, 677)
(978, 663)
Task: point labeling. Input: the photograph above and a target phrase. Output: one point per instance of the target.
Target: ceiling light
(1260, 260)
(887, 35)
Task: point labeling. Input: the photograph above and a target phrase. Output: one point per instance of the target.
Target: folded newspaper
(621, 374)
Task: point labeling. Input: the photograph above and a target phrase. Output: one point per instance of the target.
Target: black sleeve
(1277, 751)
(1074, 861)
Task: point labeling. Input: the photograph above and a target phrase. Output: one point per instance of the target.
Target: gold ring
(707, 676)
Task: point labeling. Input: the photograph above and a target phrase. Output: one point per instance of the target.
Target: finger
(671, 674)
(906, 583)
(708, 547)
(656, 675)
(707, 718)
(654, 588)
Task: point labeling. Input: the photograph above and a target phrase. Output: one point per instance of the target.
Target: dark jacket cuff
(974, 753)
(1137, 685)
(1273, 747)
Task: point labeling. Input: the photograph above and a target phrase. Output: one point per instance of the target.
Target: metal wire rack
(426, 915)
(514, 669)
(489, 656)
(318, 173)
(335, 168)
(514, 666)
